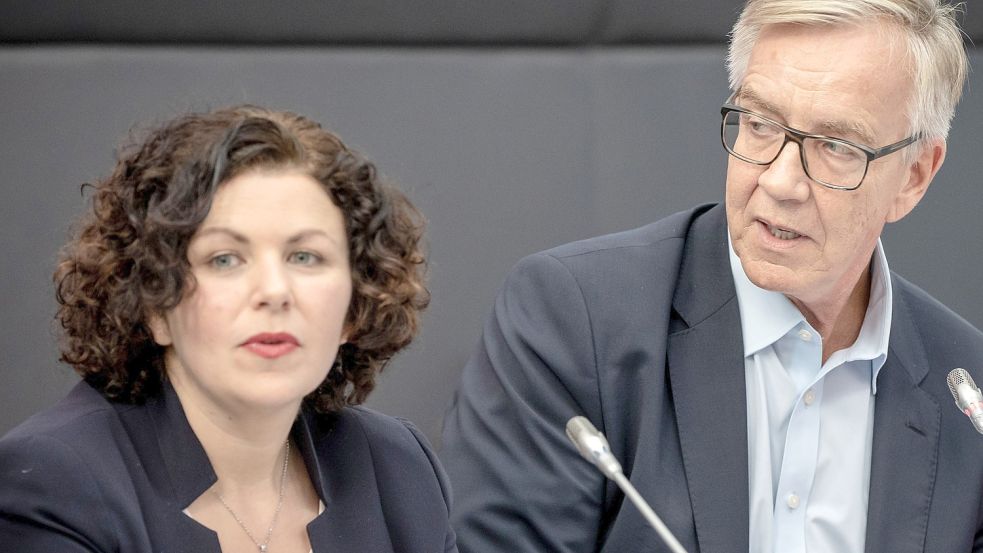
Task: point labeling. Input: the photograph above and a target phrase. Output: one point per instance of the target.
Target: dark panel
(671, 21)
(423, 22)
(656, 120)
(972, 22)
(668, 21)
(409, 22)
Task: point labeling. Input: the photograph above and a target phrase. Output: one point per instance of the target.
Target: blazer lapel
(176, 468)
(341, 445)
(905, 442)
(706, 372)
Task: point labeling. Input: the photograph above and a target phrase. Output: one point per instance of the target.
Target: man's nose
(785, 178)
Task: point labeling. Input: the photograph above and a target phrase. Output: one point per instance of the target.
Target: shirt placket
(801, 452)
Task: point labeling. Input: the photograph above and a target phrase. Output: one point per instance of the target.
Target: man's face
(793, 235)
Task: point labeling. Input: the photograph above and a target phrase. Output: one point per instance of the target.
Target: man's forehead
(838, 80)
(876, 44)
(827, 123)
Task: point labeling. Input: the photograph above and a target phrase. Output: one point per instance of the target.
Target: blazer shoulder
(412, 485)
(396, 441)
(936, 322)
(80, 420)
(398, 437)
(671, 228)
(625, 260)
(378, 426)
(51, 476)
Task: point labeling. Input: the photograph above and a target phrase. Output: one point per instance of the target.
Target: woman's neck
(245, 445)
(258, 488)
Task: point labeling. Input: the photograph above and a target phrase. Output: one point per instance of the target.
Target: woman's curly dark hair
(128, 258)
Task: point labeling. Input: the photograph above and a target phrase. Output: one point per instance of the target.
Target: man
(766, 381)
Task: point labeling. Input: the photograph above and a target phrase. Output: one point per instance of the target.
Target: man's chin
(770, 276)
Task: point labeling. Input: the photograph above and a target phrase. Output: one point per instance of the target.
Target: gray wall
(513, 125)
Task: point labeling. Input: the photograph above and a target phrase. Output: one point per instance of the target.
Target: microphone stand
(652, 518)
(594, 447)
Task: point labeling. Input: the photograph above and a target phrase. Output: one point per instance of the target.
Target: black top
(93, 475)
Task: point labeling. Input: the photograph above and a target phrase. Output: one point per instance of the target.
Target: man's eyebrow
(749, 95)
(840, 129)
(830, 127)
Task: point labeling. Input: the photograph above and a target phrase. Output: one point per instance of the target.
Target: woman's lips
(271, 344)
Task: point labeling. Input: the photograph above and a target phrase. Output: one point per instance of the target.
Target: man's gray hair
(936, 57)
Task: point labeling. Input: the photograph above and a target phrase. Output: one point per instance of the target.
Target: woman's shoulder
(389, 445)
(397, 436)
(50, 469)
(75, 436)
(379, 426)
(80, 419)
(393, 458)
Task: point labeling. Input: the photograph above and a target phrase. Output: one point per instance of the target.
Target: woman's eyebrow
(238, 237)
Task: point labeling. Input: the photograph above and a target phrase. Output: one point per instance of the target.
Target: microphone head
(957, 377)
(580, 431)
(962, 387)
(967, 396)
(592, 445)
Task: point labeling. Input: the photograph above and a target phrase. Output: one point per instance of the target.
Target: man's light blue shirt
(809, 423)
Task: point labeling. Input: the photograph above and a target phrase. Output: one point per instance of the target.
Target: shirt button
(792, 501)
(809, 397)
(805, 335)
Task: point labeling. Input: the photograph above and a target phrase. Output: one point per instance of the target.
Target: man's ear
(159, 329)
(920, 174)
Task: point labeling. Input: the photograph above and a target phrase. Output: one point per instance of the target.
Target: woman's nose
(272, 288)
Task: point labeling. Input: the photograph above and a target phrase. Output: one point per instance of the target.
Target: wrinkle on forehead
(749, 98)
(841, 81)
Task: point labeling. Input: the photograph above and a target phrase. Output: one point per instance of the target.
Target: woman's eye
(224, 261)
(305, 258)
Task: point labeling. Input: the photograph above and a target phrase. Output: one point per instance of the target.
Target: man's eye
(760, 127)
(838, 149)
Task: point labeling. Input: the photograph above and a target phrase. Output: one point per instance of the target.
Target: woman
(240, 281)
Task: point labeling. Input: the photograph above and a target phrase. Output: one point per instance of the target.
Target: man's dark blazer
(640, 332)
(90, 475)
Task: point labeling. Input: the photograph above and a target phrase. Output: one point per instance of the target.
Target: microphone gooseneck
(594, 447)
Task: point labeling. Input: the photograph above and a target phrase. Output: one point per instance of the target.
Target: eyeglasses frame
(797, 136)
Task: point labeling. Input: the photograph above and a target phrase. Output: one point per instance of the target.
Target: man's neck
(838, 318)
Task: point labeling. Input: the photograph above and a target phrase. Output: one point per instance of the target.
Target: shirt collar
(767, 316)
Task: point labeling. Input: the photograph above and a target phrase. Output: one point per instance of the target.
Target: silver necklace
(263, 547)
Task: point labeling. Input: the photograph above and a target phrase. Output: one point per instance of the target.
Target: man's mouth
(782, 234)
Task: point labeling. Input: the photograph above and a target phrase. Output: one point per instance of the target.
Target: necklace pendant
(262, 548)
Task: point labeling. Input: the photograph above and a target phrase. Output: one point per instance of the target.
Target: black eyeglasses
(832, 162)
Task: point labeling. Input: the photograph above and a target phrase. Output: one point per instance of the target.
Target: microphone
(594, 447)
(967, 395)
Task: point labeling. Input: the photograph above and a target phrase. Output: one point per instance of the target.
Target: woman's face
(263, 323)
